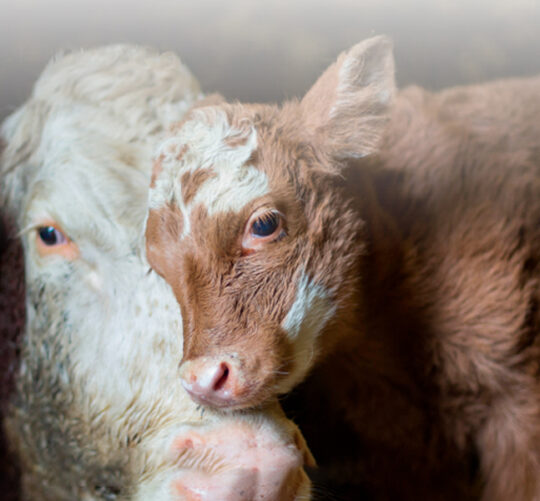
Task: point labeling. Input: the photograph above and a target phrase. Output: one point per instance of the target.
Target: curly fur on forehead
(89, 172)
(208, 162)
(118, 78)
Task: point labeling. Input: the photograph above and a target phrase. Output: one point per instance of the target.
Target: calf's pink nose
(209, 381)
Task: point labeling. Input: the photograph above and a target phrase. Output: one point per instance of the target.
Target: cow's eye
(266, 225)
(51, 236)
(51, 240)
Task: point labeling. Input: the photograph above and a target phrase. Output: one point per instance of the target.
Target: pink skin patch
(238, 462)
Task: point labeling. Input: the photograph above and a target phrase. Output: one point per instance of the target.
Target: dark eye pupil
(265, 226)
(48, 235)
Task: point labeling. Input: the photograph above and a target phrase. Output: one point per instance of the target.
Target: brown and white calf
(98, 411)
(387, 243)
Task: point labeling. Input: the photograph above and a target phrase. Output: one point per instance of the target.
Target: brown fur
(11, 330)
(429, 371)
(192, 181)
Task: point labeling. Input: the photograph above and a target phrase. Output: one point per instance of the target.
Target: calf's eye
(265, 225)
(50, 236)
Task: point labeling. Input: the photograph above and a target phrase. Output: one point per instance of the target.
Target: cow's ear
(347, 108)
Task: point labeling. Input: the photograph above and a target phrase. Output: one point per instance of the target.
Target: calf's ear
(347, 108)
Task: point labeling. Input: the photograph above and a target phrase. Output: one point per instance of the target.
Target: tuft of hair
(143, 88)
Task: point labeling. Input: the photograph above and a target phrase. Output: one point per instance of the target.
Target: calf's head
(250, 227)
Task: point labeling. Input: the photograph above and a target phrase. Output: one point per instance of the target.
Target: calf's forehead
(209, 162)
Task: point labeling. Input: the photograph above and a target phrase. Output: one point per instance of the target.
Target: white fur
(232, 189)
(304, 322)
(234, 184)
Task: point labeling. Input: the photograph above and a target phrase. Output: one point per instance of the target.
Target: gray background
(273, 49)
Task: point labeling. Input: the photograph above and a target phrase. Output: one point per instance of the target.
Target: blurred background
(269, 50)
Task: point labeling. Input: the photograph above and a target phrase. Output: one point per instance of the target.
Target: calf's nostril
(211, 382)
(221, 377)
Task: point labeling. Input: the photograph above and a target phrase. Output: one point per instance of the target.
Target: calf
(387, 245)
(98, 411)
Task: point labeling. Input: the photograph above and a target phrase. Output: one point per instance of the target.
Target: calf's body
(388, 247)
(440, 386)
